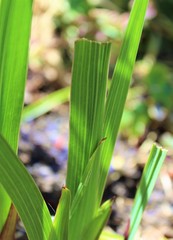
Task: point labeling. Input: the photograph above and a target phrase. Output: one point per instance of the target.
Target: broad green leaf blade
(146, 185)
(120, 84)
(24, 193)
(61, 219)
(15, 22)
(95, 227)
(45, 104)
(88, 91)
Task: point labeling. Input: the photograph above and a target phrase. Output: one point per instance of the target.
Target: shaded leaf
(61, 220)
(94, 229)
(24, 193)
(84, 205)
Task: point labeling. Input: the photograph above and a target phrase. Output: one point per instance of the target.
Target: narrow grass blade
(15, 19)
(15, 22)
(61, 219)
(120, 84)
(24, 194)
(88, 91)
(146, 185)
(45, 104)
(94, 229)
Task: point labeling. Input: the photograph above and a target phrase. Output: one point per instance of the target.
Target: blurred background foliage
(57, 24)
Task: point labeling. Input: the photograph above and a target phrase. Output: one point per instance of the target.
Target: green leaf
(61, 219)
(45, 104)
(94, 229)
(87, 189)
(15, 22)
(84, 206)
(146, 185)
(119, 87)
(24, 193)
(110, 235)
(79, 196)
(88, 91)
(91, 120)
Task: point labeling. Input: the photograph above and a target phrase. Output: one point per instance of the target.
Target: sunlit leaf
(88, 91)
(45, 104)
(91, 120)
(15, 22)
(146, 185)
(120, 83)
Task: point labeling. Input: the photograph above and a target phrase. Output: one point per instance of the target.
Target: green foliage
(45, 104)
(160, 86)
(24, 194)
(91, 119)
(96, 226)
(95, 117)
(61, 219)
(119, 87)
(146, 185)
(87, 106)
(15, 22)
